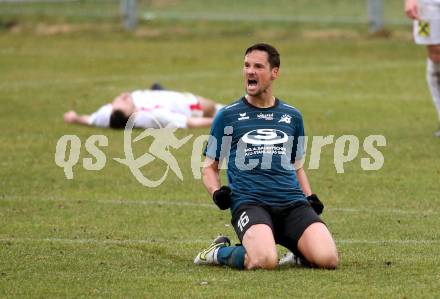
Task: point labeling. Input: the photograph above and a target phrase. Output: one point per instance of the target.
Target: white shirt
(155, 109)
(434, 2)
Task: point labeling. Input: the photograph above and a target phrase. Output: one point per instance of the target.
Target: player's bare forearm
(83, 120)
(199, 122)
(210, 175)
(71, 117)
(303, 181)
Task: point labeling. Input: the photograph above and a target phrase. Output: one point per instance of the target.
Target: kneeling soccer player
(269, 194)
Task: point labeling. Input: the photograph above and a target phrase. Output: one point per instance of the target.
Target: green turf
(104, 234)
(335, 11)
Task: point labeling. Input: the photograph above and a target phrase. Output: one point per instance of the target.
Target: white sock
(433, 78)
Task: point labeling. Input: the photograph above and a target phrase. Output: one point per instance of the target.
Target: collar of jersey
(258, 108)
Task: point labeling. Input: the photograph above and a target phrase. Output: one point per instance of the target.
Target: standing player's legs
(433, 77)
(426, 31)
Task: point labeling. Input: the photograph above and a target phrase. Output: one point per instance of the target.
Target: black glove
(222, 197)
(316, 204)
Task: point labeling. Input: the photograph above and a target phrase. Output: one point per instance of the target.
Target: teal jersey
(260, 146)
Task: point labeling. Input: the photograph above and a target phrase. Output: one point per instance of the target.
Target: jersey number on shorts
(243, 220)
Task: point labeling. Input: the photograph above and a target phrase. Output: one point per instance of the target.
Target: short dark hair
(118, 119)
(272, 54)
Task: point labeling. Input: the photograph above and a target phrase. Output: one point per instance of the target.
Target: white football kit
(426, 29)
(155, 109)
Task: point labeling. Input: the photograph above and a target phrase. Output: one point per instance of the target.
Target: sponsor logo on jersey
(285, 119)
(266, 116)
(243, 221)
(424, 29)
(265, 137)
(243, 116)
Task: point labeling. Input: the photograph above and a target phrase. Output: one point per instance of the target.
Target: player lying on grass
(154, 108)
(268, 194)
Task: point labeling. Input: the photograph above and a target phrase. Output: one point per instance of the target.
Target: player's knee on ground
(267, 260)
(327, 260)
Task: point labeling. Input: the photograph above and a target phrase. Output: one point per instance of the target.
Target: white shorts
(426, 30)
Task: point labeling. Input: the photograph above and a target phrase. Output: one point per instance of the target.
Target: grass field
(104, 234)
(281, 10)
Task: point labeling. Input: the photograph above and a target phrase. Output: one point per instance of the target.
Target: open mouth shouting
(252, 85)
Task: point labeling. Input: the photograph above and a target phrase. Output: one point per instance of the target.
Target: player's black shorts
(287, 223)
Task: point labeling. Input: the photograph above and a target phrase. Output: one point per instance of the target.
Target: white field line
(394, 241)
(103, 241)
(155, 203)
(208, 204)
(111, 201)
(193, 241)
(379, 210)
